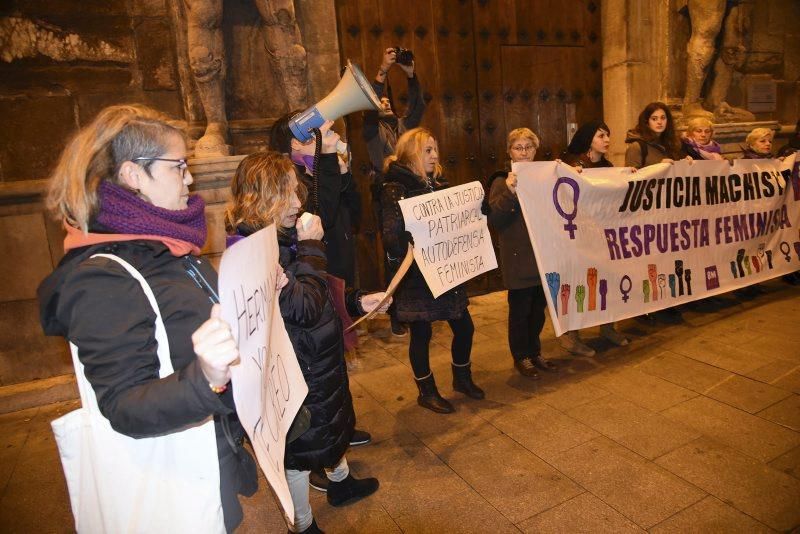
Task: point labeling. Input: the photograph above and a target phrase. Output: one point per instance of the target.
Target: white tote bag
(118, 484)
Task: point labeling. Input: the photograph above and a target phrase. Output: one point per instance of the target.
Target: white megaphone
(353, 93)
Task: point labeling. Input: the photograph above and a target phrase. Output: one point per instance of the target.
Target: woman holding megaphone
(411, 171)
(331, 190)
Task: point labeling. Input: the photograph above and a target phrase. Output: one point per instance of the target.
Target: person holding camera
(381, 131)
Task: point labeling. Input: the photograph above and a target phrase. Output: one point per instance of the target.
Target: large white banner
(612, 244)
(268, 385)
(451, 240)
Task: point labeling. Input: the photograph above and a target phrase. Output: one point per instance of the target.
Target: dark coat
(413, 300)
(316, 334)
(97, 305)
(517, 260)
(340, 211)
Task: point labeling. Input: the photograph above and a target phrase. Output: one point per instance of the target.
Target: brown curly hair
(261, 191)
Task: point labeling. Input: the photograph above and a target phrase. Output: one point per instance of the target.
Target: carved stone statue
(207, 61)
(710, 18)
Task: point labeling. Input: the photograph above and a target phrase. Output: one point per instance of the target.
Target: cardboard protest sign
(612, 244)
(451, 240)
(268, 385)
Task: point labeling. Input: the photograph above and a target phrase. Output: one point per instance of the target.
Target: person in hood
(698, 142)
(653, 139)
(122, 187)
(264, 191)
(411, 171)
(587, 150)
(526, 298)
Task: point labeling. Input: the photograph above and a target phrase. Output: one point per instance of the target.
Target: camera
(404, 56)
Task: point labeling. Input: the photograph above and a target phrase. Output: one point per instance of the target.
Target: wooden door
(486, 67)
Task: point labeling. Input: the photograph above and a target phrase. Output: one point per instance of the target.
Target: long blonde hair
(261, 191)
(96, 153)
(409, 149)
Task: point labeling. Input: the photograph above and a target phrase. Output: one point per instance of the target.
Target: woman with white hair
(698, 140)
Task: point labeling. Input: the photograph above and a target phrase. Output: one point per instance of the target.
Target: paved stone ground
(693, 427)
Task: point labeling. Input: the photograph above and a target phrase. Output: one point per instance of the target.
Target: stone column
(635, 63)
(317, 19)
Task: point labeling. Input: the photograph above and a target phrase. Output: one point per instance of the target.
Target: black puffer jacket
(101, 308)
(413, 300)
(316, 334)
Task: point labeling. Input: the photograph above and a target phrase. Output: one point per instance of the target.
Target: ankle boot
(429, 396)
(350, 489)
(312, 529)
(462, 382)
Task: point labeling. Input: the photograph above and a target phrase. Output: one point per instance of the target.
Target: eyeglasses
(182, 163)
(521, 148)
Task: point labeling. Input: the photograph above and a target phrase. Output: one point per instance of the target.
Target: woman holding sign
(152, 357)
(264, 191)
(411, 171)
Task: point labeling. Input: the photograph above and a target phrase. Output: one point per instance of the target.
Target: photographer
(383, 128)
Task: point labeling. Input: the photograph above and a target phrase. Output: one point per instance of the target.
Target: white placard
(451, 240)
(268, 385)
(612, 244)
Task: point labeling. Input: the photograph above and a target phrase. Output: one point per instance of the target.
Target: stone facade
(644, 59)
(61, 62)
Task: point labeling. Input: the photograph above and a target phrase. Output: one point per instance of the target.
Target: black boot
(312, 529)
(429, 396)
(462, 382)
(350, 489)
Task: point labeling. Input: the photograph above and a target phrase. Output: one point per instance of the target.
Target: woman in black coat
(332, 191)
(411, 171)
(121, 188)
(265, 191)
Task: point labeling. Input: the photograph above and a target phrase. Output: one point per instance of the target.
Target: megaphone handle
(315, 174)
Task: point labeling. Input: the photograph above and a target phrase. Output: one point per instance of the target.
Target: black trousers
(525, 321)
(419, 344)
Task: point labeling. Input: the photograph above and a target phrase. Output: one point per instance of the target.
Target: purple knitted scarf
(124, 212)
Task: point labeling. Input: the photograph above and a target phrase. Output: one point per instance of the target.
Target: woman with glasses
(121, 189)
(526, 299)
(414, 170)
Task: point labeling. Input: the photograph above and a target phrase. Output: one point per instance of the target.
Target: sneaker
(360, 437)
(398, 328)
(350, 490)
(572, 343)
(526, 367)
(544, 365)
(610, 333)
(318, 480)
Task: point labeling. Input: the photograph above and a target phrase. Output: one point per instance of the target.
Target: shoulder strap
(88, 398)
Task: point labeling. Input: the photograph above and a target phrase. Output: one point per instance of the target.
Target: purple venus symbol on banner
(569, 217)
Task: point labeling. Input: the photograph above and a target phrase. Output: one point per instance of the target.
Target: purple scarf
(710, 151)
(124, 212)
